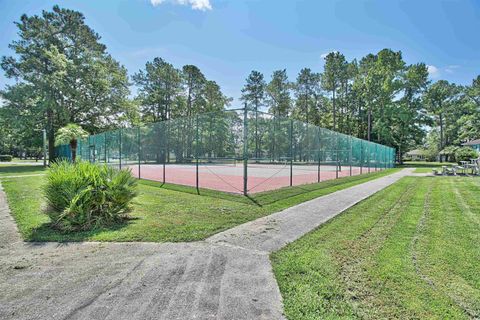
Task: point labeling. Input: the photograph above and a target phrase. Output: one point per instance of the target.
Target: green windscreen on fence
(239, 151)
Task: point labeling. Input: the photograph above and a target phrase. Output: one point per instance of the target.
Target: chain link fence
(239, 151)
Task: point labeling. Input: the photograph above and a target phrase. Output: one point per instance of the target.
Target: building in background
(416, 155)
(475, 144)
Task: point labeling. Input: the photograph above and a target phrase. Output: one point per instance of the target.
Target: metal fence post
(273, 140)
(291, 153)
(368, 156)
(382, 164)
(350, 156)
(386, 158)
(245, 150)
(196, 153)
(120, 148)
(166, 150)
(105, 146)
(319, 153)
(337, 161)
(89, 149)
(361, 156)
(139, 151)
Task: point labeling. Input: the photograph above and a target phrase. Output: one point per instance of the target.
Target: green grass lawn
(424, 164)
(164, 213)
(423, 170)
(18, 170)
(39, 161)
(410, 251)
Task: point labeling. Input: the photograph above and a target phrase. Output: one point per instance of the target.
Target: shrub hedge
(84, 196)
(5, 158)
(465, 154)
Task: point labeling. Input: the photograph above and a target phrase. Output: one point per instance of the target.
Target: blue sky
(229, 38)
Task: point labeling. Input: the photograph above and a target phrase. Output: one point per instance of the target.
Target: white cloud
(202, 5)
(324, 55)
(451, 69)
(433, 71)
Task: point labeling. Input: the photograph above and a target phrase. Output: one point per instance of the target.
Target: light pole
(44, 131)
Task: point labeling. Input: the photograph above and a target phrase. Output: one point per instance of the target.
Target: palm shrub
(70, 135)
(84, 195)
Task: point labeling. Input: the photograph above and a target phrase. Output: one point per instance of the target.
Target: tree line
(64, 74)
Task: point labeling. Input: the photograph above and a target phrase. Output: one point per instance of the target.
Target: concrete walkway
(228, 276)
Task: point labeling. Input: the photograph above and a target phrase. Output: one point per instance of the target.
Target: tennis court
(238, 151)
(229, 178)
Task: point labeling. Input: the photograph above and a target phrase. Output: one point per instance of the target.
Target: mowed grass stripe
(409, 251)
(452, 246)
(360, 258)
(310, 271)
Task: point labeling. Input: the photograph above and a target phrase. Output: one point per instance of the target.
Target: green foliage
(67, 73)
(253, 93)
(20, 125)
(160, 84)
(432, 143)
(335, 72)
(308, 96)
(83, 196)
(449, 150)
(431, 154)
(465, 154)
(168, 93)
(70, 133)
(278, 94)
(5, 158)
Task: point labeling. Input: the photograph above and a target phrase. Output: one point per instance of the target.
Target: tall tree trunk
(400, 160)
(359, 122)
(73, 147)
(306, 109)
(50, 135)
(74, 155)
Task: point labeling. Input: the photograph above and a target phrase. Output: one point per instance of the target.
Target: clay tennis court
(280, 151)
(229, 177)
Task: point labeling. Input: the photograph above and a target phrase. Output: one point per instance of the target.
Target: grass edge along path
(406, 252)
(170, 213)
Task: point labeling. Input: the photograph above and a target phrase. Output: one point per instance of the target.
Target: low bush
(84, 196)
(5, 158)
(465, 154)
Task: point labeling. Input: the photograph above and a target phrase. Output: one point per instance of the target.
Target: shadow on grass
(47, 232)
(20, 169)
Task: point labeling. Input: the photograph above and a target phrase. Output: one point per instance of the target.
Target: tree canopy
(64, 74)
(67, 74)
